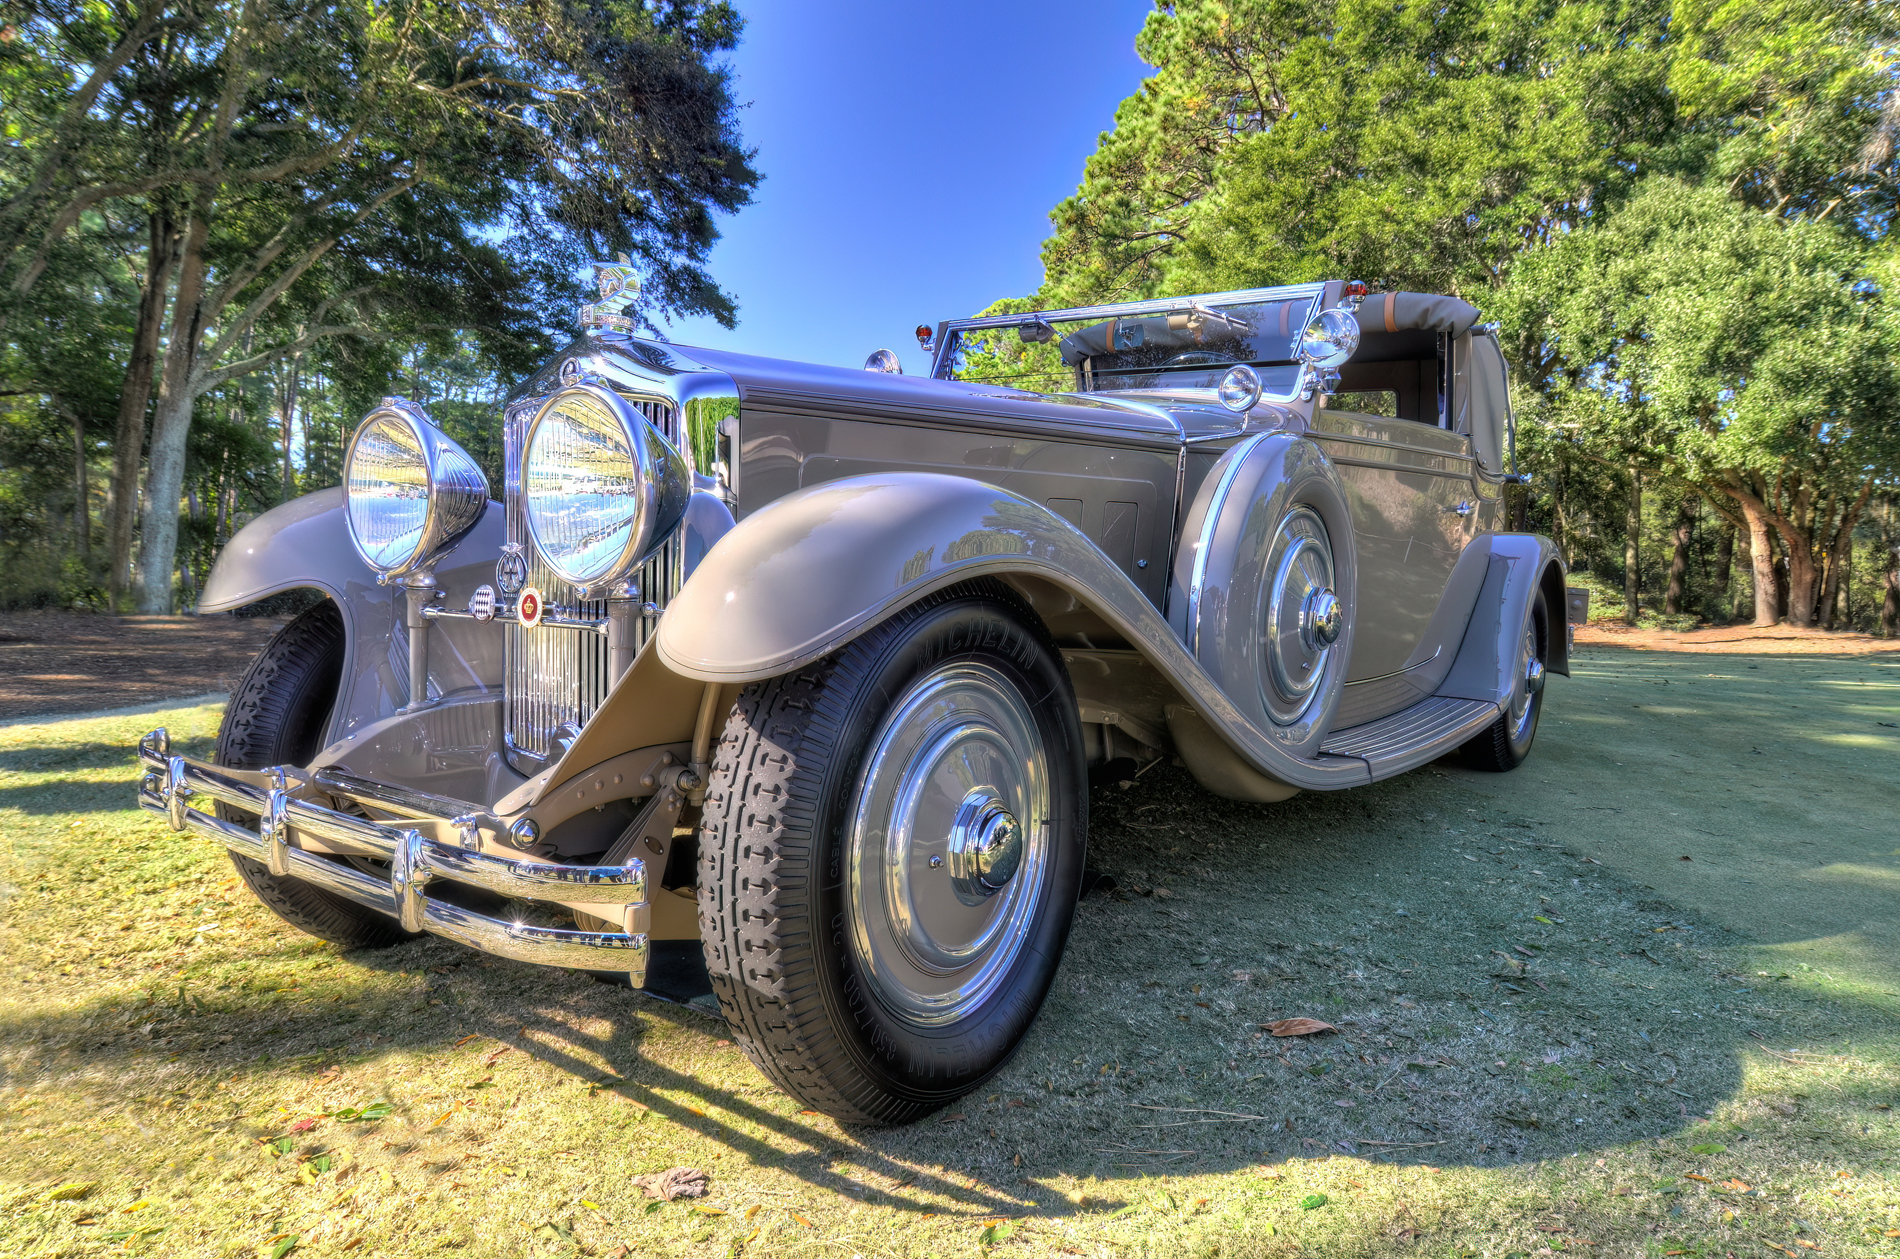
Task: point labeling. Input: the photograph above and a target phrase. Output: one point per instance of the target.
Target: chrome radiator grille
(558, 677)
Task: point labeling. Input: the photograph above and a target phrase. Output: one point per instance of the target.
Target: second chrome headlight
(410, 493)
(602, 487)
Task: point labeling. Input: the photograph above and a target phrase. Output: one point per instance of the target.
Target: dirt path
(1783, 640)
(73, 662)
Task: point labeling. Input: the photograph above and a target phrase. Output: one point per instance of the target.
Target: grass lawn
(1638, 998)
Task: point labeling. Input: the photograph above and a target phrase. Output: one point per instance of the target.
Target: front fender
(801, 577)
(305, 544)
(302, 543)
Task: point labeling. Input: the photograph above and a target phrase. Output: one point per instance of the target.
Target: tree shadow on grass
(1481, 1012)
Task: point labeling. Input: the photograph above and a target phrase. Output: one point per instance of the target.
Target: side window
(1393, 374)
(1404, 390)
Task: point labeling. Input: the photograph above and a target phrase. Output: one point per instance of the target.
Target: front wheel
(891, 856)
(1506, 742)
(277, 716)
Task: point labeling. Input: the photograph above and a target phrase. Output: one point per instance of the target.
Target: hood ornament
(619, 286)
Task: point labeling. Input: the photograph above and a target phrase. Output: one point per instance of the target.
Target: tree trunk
(1632, 546)
(1679, 560)
(286, 413)
(165, 473)
(1803, 579)
(223, 518)
(134, 400)
(1761, 554)
(1719, 579)
(82, 508)
(1890, 606)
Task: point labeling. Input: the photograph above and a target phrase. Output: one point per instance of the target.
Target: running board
(1413, 736)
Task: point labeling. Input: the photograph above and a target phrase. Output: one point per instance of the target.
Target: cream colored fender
(801, 577)
(305, 544)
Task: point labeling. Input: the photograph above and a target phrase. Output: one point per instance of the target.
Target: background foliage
(1681, 213)
(225, 227)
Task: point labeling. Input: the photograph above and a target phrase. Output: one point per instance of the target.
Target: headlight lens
(410, 494)
(601, 486)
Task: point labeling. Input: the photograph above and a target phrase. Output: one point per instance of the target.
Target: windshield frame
(947, 332)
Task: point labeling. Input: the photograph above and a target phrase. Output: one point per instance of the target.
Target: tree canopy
(1681, 210)
(296, 180)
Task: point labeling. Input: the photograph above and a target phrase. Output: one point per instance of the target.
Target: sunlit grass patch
(184, 1075)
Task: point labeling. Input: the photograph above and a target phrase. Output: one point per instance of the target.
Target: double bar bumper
(172, 783)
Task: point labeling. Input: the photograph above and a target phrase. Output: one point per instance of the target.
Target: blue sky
(911, 154)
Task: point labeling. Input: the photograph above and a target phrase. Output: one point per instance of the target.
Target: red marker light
(923, 334)
(1356, 288)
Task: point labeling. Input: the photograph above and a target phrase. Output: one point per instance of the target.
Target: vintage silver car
(813, 666)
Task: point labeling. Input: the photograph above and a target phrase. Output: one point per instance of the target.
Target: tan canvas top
(1407, 312)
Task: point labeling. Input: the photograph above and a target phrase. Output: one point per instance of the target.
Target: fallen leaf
(752, 1211)
(303, 1125)
(364, 1114)
(352, 1244)
(706, 1210)
(802, 1220)
(72, 1192)
(140, 1205)
(591, 1206)
(952, 1118)
(1298, 1027)
(471, 1036)
(994, 1231)
(283, 1247)
(1312, 1202)
(1735, 1186)
(675, 1182)
(1692, 1176)
(491, 1058)
(1712, 1147)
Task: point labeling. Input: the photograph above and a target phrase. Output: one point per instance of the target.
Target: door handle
(1464, 508)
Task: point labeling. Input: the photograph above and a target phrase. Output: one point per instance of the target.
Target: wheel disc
(1299, 617)
(949, 844)
(1530, 681)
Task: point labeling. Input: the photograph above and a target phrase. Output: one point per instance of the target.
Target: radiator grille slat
(559, 677)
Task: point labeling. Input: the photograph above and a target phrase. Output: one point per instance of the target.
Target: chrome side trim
(171, 783)
(1235, 458)
(1399, 673)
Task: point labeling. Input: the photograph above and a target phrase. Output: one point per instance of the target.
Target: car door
(1416, 504)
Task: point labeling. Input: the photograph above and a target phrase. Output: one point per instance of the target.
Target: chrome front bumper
(172, 783)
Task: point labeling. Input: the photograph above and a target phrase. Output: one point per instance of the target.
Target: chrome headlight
(409, 493)
(601, 486)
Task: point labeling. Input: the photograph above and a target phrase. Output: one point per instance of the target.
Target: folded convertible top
(1407, 312)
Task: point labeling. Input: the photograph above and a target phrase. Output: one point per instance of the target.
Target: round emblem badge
(528, 609)
(511, 571)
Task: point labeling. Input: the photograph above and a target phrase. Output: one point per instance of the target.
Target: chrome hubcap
(1531, 681)
(948, 844)
(1320, 620)
(1301, 617)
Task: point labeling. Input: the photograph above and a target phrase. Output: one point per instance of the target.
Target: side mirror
(1325, 346)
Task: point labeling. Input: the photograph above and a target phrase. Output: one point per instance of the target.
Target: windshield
(1155, 347)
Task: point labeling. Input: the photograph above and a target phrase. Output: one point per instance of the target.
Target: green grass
(225, 1085)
